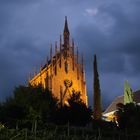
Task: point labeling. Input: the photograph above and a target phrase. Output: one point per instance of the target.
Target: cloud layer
(108, 28)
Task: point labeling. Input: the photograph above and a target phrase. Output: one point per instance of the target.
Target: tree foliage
(79, 114)
(75, 113)
(128, 116)
(30, 104)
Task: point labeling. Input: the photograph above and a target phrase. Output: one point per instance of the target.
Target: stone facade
(63, 72)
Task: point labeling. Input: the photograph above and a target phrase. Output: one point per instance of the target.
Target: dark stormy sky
(109, 28)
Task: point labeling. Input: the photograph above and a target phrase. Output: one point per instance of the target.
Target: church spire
(35, 71)
(82, 69)
(66, 33)
(73, 58)
(66, 29)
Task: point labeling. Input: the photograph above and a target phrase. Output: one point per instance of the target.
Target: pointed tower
(73, 58)
(56, 58)
(35, 71)
(82, 68)
(60, 51)
(47, 75)
(51, 69)
(66, 34)
(40, 74)
(83, 83)
(97, 112)
(30, 77)
(77, 64)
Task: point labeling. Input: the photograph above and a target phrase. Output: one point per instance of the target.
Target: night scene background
(108, 28)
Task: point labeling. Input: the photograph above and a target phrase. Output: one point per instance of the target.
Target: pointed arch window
(66, 66)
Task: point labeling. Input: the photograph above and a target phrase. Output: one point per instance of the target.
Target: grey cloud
(26, 28)
(118, 52)
(17, 1)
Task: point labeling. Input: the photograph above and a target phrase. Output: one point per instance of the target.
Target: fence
(53, 132)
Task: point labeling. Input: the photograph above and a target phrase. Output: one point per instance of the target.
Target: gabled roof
(112, 106)
(137, 96)
(120, 99)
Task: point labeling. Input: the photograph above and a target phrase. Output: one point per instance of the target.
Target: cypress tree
(97, 112)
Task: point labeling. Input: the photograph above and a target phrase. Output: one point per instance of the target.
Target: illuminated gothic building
(63, 72)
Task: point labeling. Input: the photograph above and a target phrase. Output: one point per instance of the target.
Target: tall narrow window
(66, 67)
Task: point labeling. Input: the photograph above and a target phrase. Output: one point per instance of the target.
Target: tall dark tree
(97, 112)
